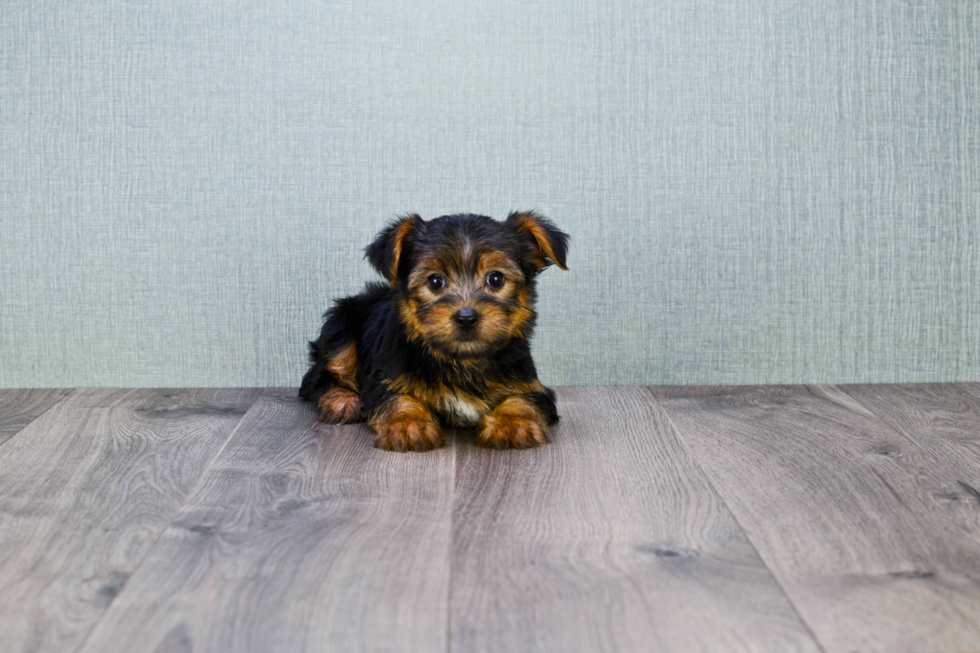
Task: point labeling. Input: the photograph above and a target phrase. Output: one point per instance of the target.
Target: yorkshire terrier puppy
(446, 341)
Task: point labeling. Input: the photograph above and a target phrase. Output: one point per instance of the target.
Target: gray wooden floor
(816, 518)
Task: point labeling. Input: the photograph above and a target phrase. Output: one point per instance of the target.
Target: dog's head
(465, 283)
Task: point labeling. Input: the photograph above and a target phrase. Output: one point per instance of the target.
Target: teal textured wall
(757, 192)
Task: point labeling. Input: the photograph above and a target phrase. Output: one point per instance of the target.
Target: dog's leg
(331, 382)
(403, 423)
(519, 422)
(339, 402)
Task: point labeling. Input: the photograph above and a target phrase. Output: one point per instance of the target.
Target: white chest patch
(460, 412)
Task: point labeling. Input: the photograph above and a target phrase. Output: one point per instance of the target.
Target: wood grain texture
(85, 491)
(972, 388)
(609, 539)
(942, 419)
(845, 512)
(300, 537)
(18, 408)
(940, 425)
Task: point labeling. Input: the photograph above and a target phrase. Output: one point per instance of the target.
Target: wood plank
(942, 418)
(300, 537)
(608, 539)
(972, 388)
(85, 490)
(941, 422)
(843, 509)
(18, 408)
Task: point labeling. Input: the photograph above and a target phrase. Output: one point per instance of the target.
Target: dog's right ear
(385, 253)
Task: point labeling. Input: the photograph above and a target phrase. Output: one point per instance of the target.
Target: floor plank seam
(156, 540)
(43, 413)
(721, 497)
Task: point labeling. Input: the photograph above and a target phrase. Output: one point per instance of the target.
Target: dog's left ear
(548, 243)
(387, 250)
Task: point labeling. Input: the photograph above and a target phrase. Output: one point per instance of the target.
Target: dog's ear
(548, 243)
(386, 252)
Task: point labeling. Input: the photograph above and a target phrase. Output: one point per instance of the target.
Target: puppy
(446, 341)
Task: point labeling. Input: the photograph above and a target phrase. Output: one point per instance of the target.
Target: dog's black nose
(466, 318)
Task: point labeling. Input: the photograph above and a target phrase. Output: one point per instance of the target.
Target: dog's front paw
(406, 425)
(515, 424)
(408, 435)
(340, 406)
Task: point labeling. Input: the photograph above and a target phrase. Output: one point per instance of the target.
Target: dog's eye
(436, 283)
(495, 279)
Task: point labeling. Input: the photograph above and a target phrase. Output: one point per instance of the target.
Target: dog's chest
(458, 411)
